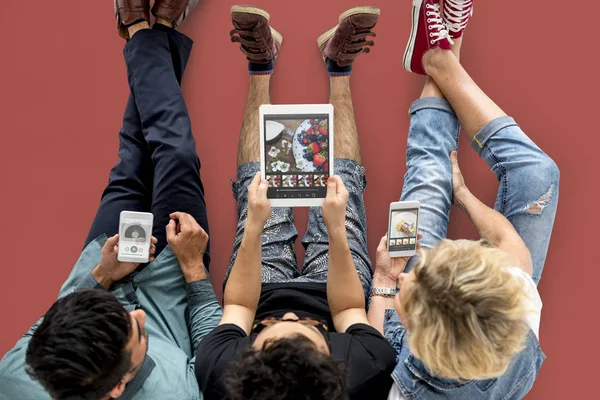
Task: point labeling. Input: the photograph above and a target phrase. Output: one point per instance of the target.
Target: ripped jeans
(528, 192)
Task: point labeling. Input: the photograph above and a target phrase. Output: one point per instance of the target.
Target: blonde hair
(466, 311)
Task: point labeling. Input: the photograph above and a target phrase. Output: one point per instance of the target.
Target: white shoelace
(457, 13)
(435, 19)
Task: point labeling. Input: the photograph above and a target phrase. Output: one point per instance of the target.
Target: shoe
(428, 33)
(457, 14)
(345, 41)
(129, 12)
(173, 11)
(259, 42)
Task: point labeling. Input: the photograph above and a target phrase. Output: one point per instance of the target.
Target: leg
(529, 179)
(340, 46)
(130, 181)
(279, 234)
(166, 125)
(353, 174)
(432, 136)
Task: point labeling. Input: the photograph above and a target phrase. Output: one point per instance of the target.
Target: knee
(185, 156)
(547, 172)
(546, 176)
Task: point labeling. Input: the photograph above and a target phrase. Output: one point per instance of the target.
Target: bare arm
(344, 289)
(492, 226)
(243, 286)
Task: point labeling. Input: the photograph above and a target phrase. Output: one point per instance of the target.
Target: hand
(110, 269)
(259, 207)
(334, 207)
(387, 269)
(188, 241)
(459, 188)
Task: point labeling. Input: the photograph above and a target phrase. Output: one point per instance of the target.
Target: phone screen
(135, 236)
(297, 155)
(403, 230)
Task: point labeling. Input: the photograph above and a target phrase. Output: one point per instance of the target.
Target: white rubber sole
(410, 47)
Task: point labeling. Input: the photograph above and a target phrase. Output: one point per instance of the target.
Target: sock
(335, 70)
(261, 69)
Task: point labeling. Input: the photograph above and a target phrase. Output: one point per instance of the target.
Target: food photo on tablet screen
(296, 154)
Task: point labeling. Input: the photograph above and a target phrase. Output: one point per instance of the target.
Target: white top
(532, 318)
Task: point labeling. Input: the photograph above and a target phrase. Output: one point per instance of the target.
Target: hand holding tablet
(296, 144)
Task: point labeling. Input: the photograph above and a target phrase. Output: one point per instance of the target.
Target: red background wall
(63, 90)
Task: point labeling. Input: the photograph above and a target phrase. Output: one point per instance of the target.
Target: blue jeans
(528, 192)
(158, 169)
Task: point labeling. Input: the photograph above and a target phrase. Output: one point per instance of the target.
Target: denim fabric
(279, 235)
(158, 168)
(527, 196)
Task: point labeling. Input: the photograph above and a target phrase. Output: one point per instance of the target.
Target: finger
(154, 240)
(454, 161)
(151, 258)
(382, 244)
(152, 249)
(419, 236)
(175, 215)
(341, 188)
(261, 193)
(171, 230)
(332, 187)
(253, 187)
(112, 241)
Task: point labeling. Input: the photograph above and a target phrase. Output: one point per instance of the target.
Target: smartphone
(135, 236)
(403, 228)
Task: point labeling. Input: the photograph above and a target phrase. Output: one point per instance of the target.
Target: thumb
(261, 193)
(332, 187)
(382, 243)
(454, 161)
(111, 242)
(171, 230)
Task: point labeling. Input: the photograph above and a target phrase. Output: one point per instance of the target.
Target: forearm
(204, 312)
(244, 283)
(344, 289)
(495, 228)
(378, 304)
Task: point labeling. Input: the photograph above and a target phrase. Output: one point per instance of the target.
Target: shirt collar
(134, 386)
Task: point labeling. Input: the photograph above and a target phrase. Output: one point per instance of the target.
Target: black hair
(289, 368)
(78, 351)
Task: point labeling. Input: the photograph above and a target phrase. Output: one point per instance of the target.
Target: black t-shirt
(370, 358)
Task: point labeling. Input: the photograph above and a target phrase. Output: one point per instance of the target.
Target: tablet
(296, 153)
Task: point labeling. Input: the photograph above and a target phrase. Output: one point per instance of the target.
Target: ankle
(138, 26)
(435, 60)
(162, 21)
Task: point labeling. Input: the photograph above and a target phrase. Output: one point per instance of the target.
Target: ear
(118, 390)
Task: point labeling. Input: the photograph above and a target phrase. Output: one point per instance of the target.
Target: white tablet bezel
(295, 109)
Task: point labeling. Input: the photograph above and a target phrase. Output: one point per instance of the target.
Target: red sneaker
(428, 33)
(456, 16)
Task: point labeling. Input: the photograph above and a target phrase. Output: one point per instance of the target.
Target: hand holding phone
(403, 228)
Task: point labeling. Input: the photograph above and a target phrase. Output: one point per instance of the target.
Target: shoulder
(224, 344)
(534, 300)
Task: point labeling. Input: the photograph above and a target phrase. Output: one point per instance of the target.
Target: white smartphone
(296, 152)
(403, 228)
(135, 236)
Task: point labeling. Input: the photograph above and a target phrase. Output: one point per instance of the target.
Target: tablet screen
(297, 155)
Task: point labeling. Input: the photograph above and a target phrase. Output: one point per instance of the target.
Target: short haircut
(466, 311)
(291, 369)
(78, 351)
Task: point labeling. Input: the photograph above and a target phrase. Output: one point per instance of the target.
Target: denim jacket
(414, 382)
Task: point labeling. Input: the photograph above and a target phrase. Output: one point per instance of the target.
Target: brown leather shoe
(173, 11)
(259, 42)
(344, 42)
(129, 12)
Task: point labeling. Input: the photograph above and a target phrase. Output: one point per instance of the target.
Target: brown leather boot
(129, 12)
(173, 11)
(344, 42)
(259, 42)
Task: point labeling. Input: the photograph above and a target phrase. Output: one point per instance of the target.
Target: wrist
(193, 271)
(384, 280)
(462, 196)
(102, 278)
(253, 228)
(337, 232)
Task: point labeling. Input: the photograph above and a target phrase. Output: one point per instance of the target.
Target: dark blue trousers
(158, 169)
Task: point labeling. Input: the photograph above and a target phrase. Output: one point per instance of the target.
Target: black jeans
(159, 169)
